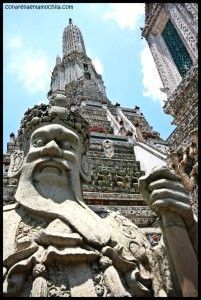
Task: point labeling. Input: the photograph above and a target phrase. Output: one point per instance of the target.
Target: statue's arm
(163, 192)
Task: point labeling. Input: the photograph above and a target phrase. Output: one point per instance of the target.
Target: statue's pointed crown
(44, 114)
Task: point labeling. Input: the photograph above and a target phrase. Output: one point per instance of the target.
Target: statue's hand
(162, 190)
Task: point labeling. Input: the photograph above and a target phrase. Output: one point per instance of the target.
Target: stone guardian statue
(54, 244)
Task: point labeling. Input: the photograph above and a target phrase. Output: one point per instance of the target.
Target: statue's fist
(163, 191)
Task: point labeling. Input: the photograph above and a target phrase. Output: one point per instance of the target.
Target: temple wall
(147, 160)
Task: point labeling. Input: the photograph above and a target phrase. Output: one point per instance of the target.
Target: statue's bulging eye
(66, 145)
(39, 143)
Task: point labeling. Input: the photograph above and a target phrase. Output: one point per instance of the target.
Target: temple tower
(75, 70)
(171, 32)
(116, 162)
(72, 39)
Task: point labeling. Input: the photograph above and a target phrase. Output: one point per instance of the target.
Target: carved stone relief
(174, 75)
(189, 15)
(160, 63)
(190, 40)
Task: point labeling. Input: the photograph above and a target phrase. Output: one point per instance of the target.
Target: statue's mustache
(59, 163)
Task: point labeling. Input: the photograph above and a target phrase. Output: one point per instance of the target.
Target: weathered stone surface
(80, 281)
(69, 255)
(10, 221)
(114, 284)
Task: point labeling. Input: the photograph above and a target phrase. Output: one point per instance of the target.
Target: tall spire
(75, 70)
(72, 39)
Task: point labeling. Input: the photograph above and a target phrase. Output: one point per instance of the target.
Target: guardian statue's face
(55, 146)
(53, 163)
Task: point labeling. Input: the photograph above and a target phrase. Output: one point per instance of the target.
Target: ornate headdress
(41, 115)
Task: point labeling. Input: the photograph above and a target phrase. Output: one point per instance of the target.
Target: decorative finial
(70, 21)
(12, 134)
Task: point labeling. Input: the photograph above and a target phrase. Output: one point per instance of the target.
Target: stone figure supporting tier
(54, 244)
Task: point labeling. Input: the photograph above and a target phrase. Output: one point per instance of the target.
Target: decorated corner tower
(171, 30)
